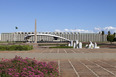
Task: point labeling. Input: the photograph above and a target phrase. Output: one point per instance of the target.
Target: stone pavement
(74, 62)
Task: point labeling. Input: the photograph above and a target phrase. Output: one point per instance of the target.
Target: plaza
(78, 35)
(74, 62)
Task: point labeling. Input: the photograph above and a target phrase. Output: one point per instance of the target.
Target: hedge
(15, 47)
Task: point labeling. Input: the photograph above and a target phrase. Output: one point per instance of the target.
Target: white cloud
(78, 30)
(66, 30)
(96, 30)
(58, 30)
(75, 30)
(106, 29)
(110, 28)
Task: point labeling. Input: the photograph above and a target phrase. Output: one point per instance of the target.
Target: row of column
(83, 37)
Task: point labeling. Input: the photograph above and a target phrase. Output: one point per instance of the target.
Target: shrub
(16, 47)
(110, 38)
(114, 39)
(19, 67)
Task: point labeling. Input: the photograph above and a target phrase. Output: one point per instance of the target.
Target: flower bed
(19, 67)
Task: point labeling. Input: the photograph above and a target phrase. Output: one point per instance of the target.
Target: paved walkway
(74, 62)
(63, 54)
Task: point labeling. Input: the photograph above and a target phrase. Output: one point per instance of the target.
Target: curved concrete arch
(48, 35)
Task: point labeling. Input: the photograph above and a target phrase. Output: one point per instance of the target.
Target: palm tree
(15, 35)
(109, 32)
(16, 27)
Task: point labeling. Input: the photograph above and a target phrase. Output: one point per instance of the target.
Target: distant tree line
(110, 37)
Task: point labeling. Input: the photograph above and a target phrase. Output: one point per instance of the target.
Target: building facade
(83, 37)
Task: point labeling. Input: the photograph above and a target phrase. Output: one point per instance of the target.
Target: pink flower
(28, 68)
(37, 76)
(2, 58)
(10, 73)
(24, 69)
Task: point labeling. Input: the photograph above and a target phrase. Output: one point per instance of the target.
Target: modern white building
(54, 36)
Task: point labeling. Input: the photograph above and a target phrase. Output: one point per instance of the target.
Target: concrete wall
(83, 37)
(7, 37)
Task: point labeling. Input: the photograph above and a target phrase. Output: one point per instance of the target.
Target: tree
(110, 38)
(102, 32)
(14, 34)
(16, 27)
(114, 36)
(102, 35)
(114, 39)
(109, 32)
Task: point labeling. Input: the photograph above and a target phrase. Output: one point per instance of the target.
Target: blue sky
(58, 15)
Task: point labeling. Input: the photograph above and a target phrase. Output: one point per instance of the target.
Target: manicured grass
(62, 47)
(19, 67)
(15, 47)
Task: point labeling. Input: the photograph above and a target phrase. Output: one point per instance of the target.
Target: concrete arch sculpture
(29, 35)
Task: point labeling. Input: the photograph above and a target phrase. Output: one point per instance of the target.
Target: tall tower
(35, 32)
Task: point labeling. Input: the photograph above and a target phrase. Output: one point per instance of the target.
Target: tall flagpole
(35, 32)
